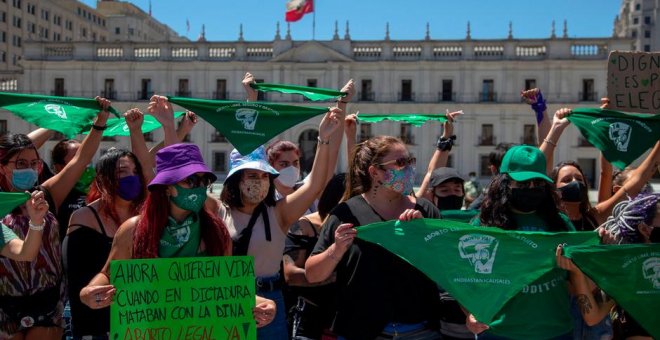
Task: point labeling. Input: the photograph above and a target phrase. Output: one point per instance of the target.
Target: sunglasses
(401, 162)
(195, 181)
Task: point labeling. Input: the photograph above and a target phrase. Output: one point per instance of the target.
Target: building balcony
(366, 96)
(406, 96)
(183, 93)
(588, 96)
(222, 95)
(112, 95)
(144, 95)
(487, 97)
(446, 96)
(486, 141)
(61, 93)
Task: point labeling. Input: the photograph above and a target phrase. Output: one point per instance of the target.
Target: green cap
(524, 162)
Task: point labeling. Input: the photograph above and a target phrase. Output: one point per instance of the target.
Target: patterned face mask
(254, 190)
(400, 180)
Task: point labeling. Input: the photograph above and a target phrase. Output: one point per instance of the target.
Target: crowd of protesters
(314, 278)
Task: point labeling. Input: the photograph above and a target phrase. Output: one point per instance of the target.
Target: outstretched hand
(251, 93)
(37, 207)
(103, 114)
(134, 119)
(559, 119)
(161, 109)
(188, 121)
(349, 89)
(333, 120)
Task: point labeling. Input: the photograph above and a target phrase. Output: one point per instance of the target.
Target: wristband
(37, 227)
(322, 141)
(445, 144)
(550, 142)
(539, 107)
(99, 128)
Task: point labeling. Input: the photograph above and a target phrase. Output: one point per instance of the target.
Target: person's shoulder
(427, 208)
(84, 218)
(127, 229)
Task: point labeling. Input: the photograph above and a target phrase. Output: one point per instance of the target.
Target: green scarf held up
(621, 137)
(629, 273)
(180, 239)
(10, 200)
(311, 93)
(67, 115)
(416, 119)
(247, 125)
(482, 267)
(118, 126)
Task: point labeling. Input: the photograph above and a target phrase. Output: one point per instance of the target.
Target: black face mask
(573, 192)
(655, 235)
(451, 202)
(527, 199)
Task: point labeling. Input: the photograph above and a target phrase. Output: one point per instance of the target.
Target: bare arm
(439, 158)
(320, 266)
(350, 130)
(293, 206)
(251, 93)
(605, 182)
(28, 249)
(162, 110)
(61, 183)
(186, 124)
(40, 136)
(535, 99)
(349, 89)
(134, 119)
(559, 124)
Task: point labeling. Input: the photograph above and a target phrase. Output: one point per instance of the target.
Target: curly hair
(628, 214)
(496, 209)
(586, 210)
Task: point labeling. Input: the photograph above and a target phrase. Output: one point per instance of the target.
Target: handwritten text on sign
(183, 298)
(633, 81)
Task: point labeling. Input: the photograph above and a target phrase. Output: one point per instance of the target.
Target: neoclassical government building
(481, 77)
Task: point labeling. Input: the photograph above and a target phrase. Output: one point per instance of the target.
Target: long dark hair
(106, 183)
(496, 209)
(231, 191)
(364, 155)
(153, 219)
(10, 145)
(586, 211)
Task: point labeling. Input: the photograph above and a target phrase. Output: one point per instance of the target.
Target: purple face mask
(130, 187)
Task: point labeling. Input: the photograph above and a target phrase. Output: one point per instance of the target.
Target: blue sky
(407, 18)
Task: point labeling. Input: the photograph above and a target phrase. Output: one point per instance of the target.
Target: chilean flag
(295, 9)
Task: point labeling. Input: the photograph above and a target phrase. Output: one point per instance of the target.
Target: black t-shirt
(374, 286)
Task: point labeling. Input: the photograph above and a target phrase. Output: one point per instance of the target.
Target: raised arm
(40, 136)
(350, 130)
(186, 124)
(293, 206)
(440, 155)
(162, 110)
(61, 183)
(349, 89)
(251, 93)
(535, 99)
(134, 120)
(28, 249)
(559, 124)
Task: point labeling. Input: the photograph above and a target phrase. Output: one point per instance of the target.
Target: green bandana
(629, 273)
(481, 267)
(416, 119)
(67, 115)
(247, 125)
(180, 239)
(11, 200)
(118, 126)
(464, 216)
(621, 137)
(311, 93)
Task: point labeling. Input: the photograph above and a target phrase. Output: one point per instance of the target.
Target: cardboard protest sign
(633, 81)
(183, 298)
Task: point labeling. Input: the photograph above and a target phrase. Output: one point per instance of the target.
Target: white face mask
(289, 176)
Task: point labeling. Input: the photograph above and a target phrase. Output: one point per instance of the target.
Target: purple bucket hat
(256, 160)
(176, 162)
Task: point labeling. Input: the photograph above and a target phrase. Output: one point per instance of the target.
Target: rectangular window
(484, 166)
(184, 90)
(638, 7)
(366, 90)
(59, 87)
(145, 90)
(312, 82)
(647, 34)
(635, 21)
(131, 31)
(16, 3)
(83, 32)
(117, 30)
(3, 36)
(3, 16)
(220, 161)
(633, 33)
(447, 90)
(406, 91)
(647, 48)
(647, 20)
(221, 89)
(16, 22)
(529, 134)
(3, 127)
(588, 94)
(487, 90)
(406, 134)
(487, 137)
(530, 84)
(109, 89)
(365, 131)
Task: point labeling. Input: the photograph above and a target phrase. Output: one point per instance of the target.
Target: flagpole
(314, 24)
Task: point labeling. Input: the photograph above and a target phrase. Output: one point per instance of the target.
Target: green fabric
(629, 273)
(483, 268)
(533, 222)
(11, 200)
(118, 126)
(416, 119)
(67, 115)
(85, 180)
(247, 125)
(621, 137)
(311, 93)
(6, 235)
(180, 239)
(464, 216)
